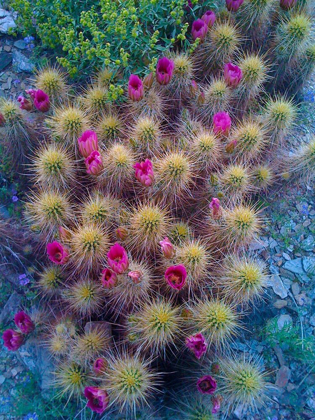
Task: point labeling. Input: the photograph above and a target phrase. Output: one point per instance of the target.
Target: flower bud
(94, 163)
(167, 248)
(135, 88)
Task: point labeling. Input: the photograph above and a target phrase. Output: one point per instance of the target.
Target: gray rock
(286, 256)
(38, 360)
(277, 285)
(20, 44)
(22, 63)
(295, 266)
(312, 320)
(309, 265)
(283, 376)
(284, 320)
(279, 304)
(11, 306)
(295, 287)
(308, 244)
(6, 21)
(2, 379)
(5, 60)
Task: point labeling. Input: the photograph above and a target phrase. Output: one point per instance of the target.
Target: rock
(7, 48)
(301, 299)
(11, 306)
(295, 288)
(309, 265)
(20, 44)
(38, 360)
(273, 243)
(295, 266)
(22, 63)
(312, 320)
(5, 60)
(287, 273)
(308, 244)
(284, 320)
(278, 286)
(280, 303)
(6, 21)
(2, 379)
(283, 376)
(258, 245)
(286, 256)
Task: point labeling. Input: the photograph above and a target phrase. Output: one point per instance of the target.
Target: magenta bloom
(233, 5)
(206, 385)
(209, 17)
(98, 399)
(12, 339)
(57, 253)
(94, 163)
(24, 322)
(88, 143)
(164, 71)
(215, 208)
(232, 74)
(118, 258)
(135, 88)
(144, 172)
(287, 4)
(41, 101)
(167, 248)
(135, 276)
(109, 278)
(99, 366)
(2, 120)
(176, 276)
(25, 103)
(197, 344)
(216, 404)
(221, 123)
(199, 29)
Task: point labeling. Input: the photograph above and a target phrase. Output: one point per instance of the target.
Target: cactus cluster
(146, 211)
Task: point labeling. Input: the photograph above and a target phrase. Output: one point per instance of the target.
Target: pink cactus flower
(57, 253)
(194, 87)
(216, 404)
(98, 399)
(164, 71)
(118, 258)
(231, 146)
(94, 163)
(25, 103)
(12, 339)
(31, 92)
(135, 88)
(121, 233)
(135, 276)
(24, 322)
(167, 248)
(64, 234)
(215, 208)
(41, 101)
(233, 5)
(144, 172)
(232, 74)
(199, 29)
(108, 278)
(148, 80)
(197, 344)
(99, 366)
(221, 123)
(287, 4)
(209, 17)
(88, 143)
(2, 120)
(176, 276)
(206, 385)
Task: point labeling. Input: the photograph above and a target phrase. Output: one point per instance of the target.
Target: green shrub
(128, 34)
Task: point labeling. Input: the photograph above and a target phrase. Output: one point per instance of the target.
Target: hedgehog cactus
(147, 210)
